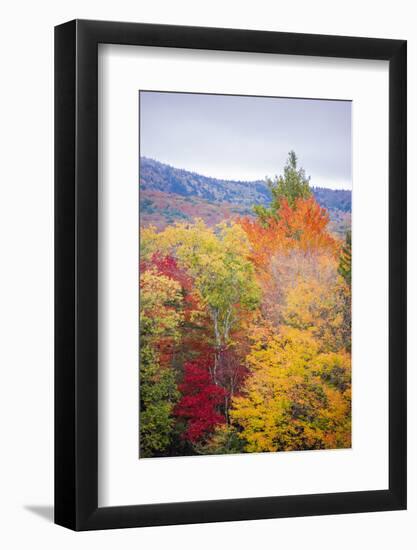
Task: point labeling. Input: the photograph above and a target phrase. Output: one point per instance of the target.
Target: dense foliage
(245, 330)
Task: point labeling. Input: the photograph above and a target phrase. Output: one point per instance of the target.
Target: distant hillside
(171, 194)
(162, 177)
(334, 199)
(161, 209)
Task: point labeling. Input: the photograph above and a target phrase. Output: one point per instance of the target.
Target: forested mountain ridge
(156, 176)
(333, 199)
(169, 195)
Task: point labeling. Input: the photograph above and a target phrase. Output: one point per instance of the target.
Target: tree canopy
(245, 330)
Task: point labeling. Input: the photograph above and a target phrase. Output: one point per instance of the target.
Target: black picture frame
(76, 272)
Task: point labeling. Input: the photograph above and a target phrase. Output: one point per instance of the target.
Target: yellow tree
(319, 303)
(296, 398)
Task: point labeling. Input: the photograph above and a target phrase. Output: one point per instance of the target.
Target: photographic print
(244, 274)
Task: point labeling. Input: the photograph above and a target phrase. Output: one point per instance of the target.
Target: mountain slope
(334, 199)
(161, 177)
(168, 195)
(156, 176)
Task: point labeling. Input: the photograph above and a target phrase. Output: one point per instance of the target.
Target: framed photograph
(230, 252)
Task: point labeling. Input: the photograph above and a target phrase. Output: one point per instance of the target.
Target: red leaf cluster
(168, 266)
(200, 400)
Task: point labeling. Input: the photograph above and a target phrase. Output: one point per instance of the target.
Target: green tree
(158, 395)
(345, 262)
(292, 185)
(345, 288)
(160, 318)
(224, 441)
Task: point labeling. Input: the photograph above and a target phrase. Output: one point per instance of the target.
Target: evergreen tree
(345, 262)
(292, 185)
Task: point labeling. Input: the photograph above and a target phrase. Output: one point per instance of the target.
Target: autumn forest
(245, 326)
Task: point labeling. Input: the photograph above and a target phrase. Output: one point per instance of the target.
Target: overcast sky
(248, 138)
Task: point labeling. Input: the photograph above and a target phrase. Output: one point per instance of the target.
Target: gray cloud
(246, 138)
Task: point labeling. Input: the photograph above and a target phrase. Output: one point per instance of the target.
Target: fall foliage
(245, 330)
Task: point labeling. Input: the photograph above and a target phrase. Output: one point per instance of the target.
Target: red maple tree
(200, 400)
